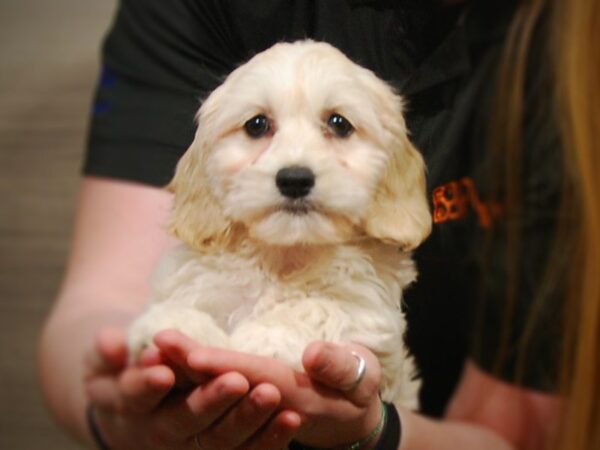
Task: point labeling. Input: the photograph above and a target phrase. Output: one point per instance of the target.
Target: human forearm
(487, 413)
(118, 238)
(67, 336)
(422, 433)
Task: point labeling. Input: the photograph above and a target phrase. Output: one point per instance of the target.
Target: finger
(103, 392)
(244, 419)
(188, 415)
(299, 392)
(150, 356)
(277, 434)
(256, 369)
(339, 367)
(109, 353)
(143, 388)
(175, 347)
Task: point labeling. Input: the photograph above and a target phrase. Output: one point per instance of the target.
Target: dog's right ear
(197, 218)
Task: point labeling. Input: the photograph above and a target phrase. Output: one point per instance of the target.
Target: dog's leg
(283, 331)
(164, 316)
(268, 339)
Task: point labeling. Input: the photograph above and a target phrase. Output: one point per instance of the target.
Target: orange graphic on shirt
(452, 201)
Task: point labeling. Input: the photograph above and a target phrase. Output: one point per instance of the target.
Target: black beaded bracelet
(389, 438)
(94, 431)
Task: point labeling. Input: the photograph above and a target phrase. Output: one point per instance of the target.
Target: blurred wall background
(49, 53)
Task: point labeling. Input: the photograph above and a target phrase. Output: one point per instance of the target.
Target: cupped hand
(140, 407)
(331, 414)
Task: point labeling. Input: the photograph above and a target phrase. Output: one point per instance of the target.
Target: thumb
(339, 367)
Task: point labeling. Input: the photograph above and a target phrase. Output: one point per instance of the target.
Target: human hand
(138, 407)
(354, 410)
(331, 415)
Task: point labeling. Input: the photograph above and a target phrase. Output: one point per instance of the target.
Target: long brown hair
(576, 39)
(574, 46)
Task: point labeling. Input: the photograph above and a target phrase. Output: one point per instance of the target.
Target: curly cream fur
(253, 276)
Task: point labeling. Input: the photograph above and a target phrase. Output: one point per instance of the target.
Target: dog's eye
(258, 126)
(340, 126)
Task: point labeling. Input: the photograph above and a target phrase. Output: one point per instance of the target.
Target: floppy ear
(197, 218)
(399, 213)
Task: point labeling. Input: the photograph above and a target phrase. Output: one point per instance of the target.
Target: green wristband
(358, 445)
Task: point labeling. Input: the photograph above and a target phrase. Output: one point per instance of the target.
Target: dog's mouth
(298, 207)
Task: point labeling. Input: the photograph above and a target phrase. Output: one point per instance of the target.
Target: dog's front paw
(163, 316)
(275, 341)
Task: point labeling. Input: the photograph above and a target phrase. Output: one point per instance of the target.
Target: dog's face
(301, 146)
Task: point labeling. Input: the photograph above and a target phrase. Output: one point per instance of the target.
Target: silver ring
(361, 370)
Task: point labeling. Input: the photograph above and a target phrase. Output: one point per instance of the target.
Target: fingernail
(265, 397)
(293, 420)
(323, 358)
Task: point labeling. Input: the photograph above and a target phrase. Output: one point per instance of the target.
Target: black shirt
(160, 61)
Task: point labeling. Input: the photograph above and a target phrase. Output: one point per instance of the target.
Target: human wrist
(370, 441)
(385, 436)
(93, 429)
(391, 434)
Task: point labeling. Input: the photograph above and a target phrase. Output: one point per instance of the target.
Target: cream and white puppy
(298, 204)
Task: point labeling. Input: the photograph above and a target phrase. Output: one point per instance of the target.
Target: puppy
(298, 204)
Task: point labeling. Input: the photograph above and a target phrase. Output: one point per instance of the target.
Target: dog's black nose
(295, 181)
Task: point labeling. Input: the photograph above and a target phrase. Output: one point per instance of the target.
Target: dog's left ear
(399, 213)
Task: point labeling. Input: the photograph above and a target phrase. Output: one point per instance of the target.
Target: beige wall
(48, 65)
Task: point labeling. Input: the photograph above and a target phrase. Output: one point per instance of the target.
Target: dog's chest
(233, 286)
